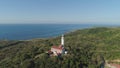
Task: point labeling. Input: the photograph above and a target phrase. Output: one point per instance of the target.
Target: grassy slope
(105, 40)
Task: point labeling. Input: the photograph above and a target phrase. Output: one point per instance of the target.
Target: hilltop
(86, 48)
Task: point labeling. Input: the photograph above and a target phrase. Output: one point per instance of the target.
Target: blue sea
(31, 31)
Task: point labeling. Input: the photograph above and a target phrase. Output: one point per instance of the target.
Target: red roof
(58, 47)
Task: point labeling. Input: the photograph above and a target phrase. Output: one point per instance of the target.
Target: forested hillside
(87, 48)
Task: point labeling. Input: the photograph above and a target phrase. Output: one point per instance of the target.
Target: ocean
(32, 31)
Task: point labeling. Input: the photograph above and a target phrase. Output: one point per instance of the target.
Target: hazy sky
(60, 11)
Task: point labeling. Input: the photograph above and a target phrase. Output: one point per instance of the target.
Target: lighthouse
(58, 50)
(62, 44)
(62, 40)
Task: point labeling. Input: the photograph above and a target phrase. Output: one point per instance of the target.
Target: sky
(60, 11)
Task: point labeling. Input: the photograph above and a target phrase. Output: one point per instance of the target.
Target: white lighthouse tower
(62, 40)
(62, 44)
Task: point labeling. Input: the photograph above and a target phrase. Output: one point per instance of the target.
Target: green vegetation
(85, 49)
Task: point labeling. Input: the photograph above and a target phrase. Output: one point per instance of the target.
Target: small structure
(58, 50)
